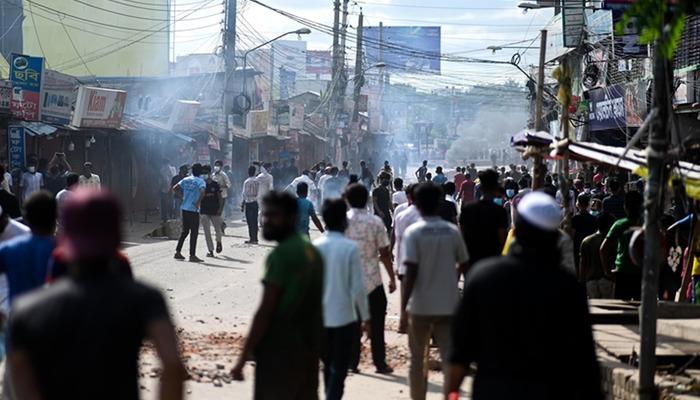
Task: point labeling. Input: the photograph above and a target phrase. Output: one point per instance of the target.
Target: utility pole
(381, 75)
(359, 73)
(230, 68)
(658, 173)
(336, 41)
(538, 175)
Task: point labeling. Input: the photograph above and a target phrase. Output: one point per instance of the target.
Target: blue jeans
(336, 359)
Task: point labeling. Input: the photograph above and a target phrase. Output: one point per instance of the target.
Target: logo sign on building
(15, 147)
(99, 108)
(26, 74)
(58, 97)
(319, 62)
(405, 48)
(5, 95)
(574, 20)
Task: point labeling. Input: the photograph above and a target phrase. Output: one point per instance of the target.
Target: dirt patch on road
(209, 357)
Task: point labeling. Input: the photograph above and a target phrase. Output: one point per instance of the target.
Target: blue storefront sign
(607, 108)
(15, 147)
(26, 74)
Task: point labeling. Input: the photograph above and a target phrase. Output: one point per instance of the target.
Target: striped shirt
(251, 188)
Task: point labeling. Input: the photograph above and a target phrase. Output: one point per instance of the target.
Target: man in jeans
(432, 251)
(370, 234)
(211, 204)
(251, 189)
(343, 296)
(192, 189)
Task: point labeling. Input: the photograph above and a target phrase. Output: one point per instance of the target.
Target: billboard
(98, 108)
(58, 97)
(319, 62)
(404, 48)
(26, 74)
(617, 106)
(183, 115)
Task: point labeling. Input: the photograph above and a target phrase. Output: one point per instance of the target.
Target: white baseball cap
(540, 210)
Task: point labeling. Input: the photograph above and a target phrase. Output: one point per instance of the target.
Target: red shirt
(459, 179)
(466, 190)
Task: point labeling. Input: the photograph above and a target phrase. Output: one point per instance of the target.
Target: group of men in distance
(318, 296)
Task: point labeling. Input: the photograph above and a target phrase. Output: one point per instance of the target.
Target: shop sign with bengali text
(16, 151)
(26, 74)
(5, 95)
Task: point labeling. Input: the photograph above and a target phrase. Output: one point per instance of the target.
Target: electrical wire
(429, 7)
(38, 39)
(138, 17)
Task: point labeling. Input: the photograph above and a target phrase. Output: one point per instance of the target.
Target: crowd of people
(485, 268)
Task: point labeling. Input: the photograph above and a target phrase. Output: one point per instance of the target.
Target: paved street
(212, 304)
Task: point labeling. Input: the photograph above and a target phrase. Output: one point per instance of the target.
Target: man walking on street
(192, 189)
(370, 234)
(266, 183)
(166, 173)
(484, 223)
(210, 211)
(499, 334)
(80, 338)
(88, 179)
(286, 333)
(306, 210)
(249, 205)
(381, 197)
(224, 185)
(434, 254)
(31, 181)
(343, 294)
(422, 172)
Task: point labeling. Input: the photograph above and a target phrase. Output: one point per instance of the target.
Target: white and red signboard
(99, 108)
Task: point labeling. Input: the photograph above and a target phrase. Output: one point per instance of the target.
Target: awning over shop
(636, 161)
(36, 128)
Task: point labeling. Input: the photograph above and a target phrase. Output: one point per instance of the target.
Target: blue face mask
(510, 193)
(595, 213)
(498, 201)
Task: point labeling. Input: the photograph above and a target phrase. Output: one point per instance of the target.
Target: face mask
(32, 169)
(510, 193)
(595, 213)
(205, 176)
(217, 169)
(498, 201)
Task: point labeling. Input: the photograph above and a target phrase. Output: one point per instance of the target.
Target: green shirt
(621, 233)
(295, 267)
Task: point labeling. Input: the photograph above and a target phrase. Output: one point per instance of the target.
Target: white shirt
(251, 190)
(12, 230)
(265, 182)
(224, 182)
(30, 183)
(93, 182)
(322, 182)
(6, 183)
(399, 197)
(61, 199)
(343, 280)
(403, 221)
(437, 247)
(370, 234)
(292, 187)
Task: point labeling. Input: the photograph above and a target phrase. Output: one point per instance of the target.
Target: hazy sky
(468, 27)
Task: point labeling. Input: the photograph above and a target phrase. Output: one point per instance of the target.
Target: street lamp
(300, 31)
(494, 49)
(526, 5)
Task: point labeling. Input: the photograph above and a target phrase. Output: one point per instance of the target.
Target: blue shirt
(25, 260)
(192, 187)
(306, 210)
(440, 179)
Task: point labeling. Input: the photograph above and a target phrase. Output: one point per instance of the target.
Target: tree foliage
(661, 20)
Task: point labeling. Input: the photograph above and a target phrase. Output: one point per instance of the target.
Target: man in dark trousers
(192, 189)
(285, 336)
(249, 204)
(520, 314)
